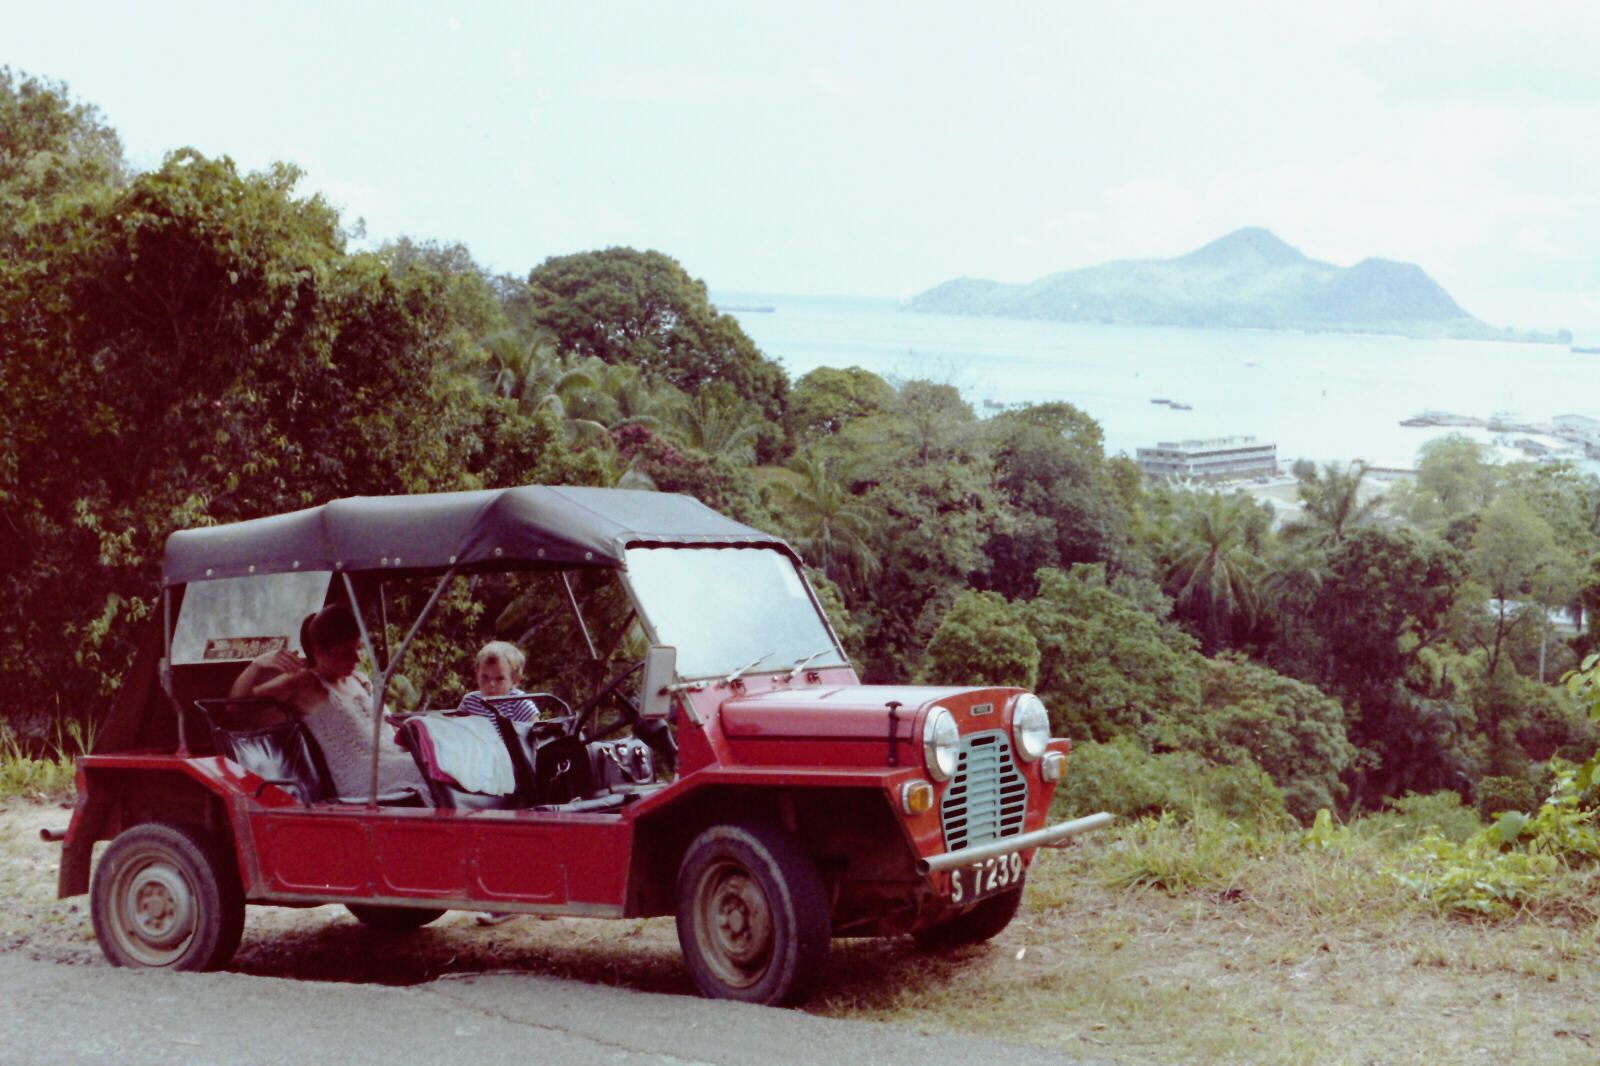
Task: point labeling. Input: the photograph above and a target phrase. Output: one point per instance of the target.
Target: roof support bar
(381, 689)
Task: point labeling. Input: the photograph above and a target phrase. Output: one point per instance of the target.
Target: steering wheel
(585, 719)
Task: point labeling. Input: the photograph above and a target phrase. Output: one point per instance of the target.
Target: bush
(1497, 795)
(1412, 817)
(1120, 777)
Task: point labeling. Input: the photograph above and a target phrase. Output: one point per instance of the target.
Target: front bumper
(1050, 836)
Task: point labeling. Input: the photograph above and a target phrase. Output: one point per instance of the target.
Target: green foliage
(1454, 479)
(1334, 503)
(198, 347)
(983, 640)
(1211, 553)
(827, 399)
(1496, 795)
(1123, 778)
(1285, 727)
(642, 309)
(1206, 852)
(1107, 668)
(1064, 505)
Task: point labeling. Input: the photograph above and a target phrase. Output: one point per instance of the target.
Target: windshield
(730, 608)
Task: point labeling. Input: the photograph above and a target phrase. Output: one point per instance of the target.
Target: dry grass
(1256, 949)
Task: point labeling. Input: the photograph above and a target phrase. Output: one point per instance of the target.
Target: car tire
(983, 922)
(167, 895)
(753, 915)
(393, 919)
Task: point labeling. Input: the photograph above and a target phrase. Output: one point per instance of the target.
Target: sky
(879, 148)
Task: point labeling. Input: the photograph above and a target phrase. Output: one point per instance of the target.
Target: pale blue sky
(880, 148)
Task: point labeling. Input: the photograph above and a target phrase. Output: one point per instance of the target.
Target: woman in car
(335, 695)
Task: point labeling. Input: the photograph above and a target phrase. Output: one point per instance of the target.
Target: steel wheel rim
(154, 908)
(734, 927)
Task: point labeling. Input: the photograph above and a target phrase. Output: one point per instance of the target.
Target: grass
(1154, 943)
(51, 776)
(1209, 942)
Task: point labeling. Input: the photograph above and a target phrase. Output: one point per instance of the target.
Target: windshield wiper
(737, 674)
(797, 667)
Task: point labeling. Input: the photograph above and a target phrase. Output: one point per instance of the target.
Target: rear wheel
(167, 895)
(753, 916)
(983, 922)
(393, 919)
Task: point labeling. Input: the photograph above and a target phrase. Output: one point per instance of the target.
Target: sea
(1326, 397)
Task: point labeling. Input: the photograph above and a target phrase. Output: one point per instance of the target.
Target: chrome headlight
(1030, 727)
(941, 743)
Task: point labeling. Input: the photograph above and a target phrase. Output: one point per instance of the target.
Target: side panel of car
(576, 863)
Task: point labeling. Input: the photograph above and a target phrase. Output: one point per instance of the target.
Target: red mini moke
(735, 774)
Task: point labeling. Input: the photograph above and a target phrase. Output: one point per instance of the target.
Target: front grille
(988, 797)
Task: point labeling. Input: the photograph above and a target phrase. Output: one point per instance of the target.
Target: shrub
(1120, 777)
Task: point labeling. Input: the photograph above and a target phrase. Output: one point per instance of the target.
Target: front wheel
(983, 922)
(167, 895)
(753, 916)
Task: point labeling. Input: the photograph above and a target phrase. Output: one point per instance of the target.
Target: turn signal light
(916, 797)
(1054, 767)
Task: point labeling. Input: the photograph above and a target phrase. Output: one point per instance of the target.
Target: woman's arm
(262, 668)
(291, 687)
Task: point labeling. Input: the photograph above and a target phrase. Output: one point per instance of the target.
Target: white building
(1216, 459)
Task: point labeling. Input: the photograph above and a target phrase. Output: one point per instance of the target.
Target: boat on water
(1160, 401)
(1182, 406)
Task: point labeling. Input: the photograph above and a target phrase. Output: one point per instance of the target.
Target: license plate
(968, 884)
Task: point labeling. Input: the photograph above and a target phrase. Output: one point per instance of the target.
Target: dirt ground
(1128, 977)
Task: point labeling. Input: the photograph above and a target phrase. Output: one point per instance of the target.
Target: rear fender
(111, 799)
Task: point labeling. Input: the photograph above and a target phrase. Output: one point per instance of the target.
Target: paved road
(53, 1013)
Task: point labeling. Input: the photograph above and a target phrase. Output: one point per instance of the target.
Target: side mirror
(660, 671)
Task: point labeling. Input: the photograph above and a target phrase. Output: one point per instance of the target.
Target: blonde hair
(506, 654)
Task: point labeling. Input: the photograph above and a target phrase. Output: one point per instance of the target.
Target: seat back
(434, 761)
(283, 753)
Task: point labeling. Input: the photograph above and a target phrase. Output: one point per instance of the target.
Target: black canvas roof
(525, 527)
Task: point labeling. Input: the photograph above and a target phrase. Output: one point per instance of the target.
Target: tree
(1333, 504)
(982, 640)
(194, 347)
(1454, 478)
(1106, 667)
(1288, 728)
(1521, 570)
(1066, 508)
(826, 400)
(1214, 560)
(642, 309)
(828, 523)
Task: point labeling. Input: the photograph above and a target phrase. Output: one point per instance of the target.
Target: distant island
(1247, 280)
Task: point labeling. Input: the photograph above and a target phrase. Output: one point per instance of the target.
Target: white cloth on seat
(469, 750)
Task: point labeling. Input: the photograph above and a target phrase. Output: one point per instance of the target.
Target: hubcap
(735, 925)
(155, 909)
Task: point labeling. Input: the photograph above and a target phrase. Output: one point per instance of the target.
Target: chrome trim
(1049, 836)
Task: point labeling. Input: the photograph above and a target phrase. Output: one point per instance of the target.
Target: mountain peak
(1251, 248)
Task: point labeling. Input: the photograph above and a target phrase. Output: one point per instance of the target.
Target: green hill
(1247, 280)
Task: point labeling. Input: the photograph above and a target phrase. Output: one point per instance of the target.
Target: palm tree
(1333, 504)
(534, 376)
(829, 524)
(717, 428)
(1215, 561)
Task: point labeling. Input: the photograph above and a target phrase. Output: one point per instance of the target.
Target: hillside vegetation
(194, 345)
(1247, 280)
